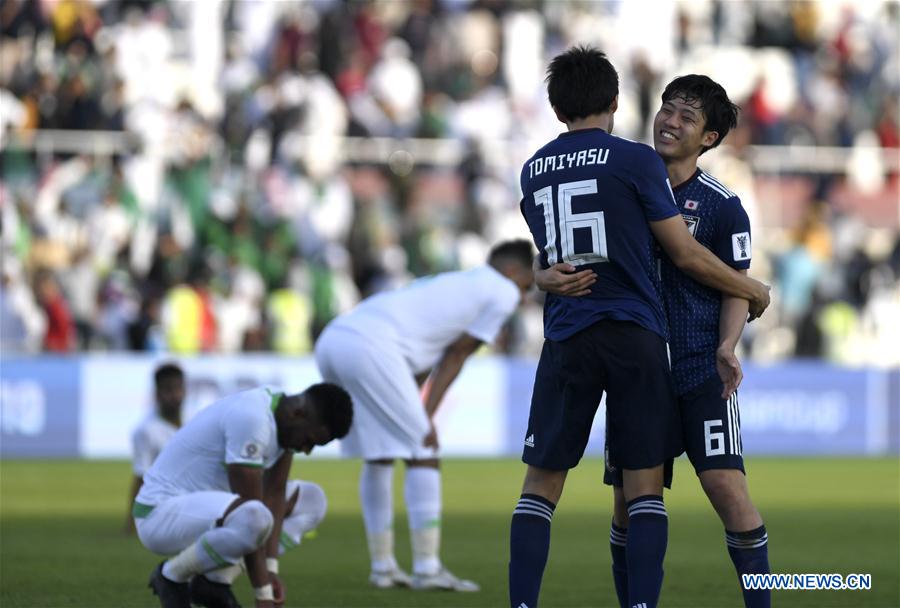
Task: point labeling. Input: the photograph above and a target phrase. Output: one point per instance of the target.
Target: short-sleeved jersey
(422, 319)
(148, 440)
(717, 220)
(587, 198)
(238, 429)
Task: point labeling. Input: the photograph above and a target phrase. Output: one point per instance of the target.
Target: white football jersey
(148, 440)
(237, 429)
(426, 316)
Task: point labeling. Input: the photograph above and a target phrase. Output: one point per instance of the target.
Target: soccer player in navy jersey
(704, 328)
(597, 201)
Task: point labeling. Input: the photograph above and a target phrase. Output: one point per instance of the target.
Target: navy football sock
(617, 539)
(750, 553)
(648, 532)
(529, 544)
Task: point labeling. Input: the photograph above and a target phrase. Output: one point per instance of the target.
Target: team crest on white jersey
(740, 246)
(251, 450)
(691, 221)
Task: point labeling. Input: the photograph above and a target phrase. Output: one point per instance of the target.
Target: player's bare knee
(642, 482)
(431, 463)
(725, 488)
(546, 483)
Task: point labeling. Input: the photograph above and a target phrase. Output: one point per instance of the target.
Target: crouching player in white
(377, 352)
(219, 494)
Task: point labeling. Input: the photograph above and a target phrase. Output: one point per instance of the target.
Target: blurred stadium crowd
(251, 179)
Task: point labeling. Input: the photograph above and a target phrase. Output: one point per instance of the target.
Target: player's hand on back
(562, 280)
(759, 303)
(730, 372)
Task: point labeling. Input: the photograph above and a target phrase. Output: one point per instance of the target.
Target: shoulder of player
(637, 156)
(713, 185)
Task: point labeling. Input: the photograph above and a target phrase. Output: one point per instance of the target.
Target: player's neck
(681, 170)
(594, 121)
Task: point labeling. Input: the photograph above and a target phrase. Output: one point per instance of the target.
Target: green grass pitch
(61, 544)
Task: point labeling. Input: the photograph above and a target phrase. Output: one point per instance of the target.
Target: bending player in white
(377, 352)
(155, 431)
(219, 493)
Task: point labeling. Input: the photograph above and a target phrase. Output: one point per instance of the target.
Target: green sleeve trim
(140, 510)
(252, 465)
(213, 554)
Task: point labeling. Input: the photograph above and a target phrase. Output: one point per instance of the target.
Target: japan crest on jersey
(692, 205)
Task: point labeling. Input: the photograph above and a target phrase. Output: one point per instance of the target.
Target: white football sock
(226, 575)
(422, 490)
(376, 489)
(308, 513)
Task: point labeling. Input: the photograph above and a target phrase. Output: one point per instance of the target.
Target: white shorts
(389, 419)
(178, 522)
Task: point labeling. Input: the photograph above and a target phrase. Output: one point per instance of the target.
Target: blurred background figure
(156, 429)
(230, 176)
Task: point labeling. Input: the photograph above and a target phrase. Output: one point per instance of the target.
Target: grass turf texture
(61, 544)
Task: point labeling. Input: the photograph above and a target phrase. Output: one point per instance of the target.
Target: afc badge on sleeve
(740, 245)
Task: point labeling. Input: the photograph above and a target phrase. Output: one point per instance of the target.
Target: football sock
(529, 545)
(750, 553)
(422, 491)
(645, 549)
(617, 542)
(308, 513)
(376, 495)
(244, 530)
(226, 575)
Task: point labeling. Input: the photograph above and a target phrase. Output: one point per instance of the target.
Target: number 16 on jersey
(571, 223)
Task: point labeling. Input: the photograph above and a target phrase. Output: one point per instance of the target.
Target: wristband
(272, 564)
(264, 593)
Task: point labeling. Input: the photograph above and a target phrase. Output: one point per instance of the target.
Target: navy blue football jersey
(715, 217)
(587, 198)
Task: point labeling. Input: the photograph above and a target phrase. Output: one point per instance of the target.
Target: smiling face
(679, 129)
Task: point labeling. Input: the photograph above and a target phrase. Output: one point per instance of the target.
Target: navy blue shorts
(712, 432)
(711, 427)
(631, 365)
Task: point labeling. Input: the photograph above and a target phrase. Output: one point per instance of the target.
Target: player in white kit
(155, 431)
(219, 494)
(380, 352)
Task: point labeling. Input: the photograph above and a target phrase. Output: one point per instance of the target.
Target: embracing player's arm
(732, 316)
(562, 279)
(447, 369)
(247, 482)
(703, 266)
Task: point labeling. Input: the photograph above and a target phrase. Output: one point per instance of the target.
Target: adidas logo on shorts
(529, 441)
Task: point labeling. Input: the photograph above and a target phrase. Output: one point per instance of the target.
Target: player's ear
(709, 138)
(614, 105)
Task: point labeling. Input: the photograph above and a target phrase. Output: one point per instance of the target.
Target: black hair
(720, 113)
(581, 82)
(518, 251)
(333, 406)
(167, 370)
